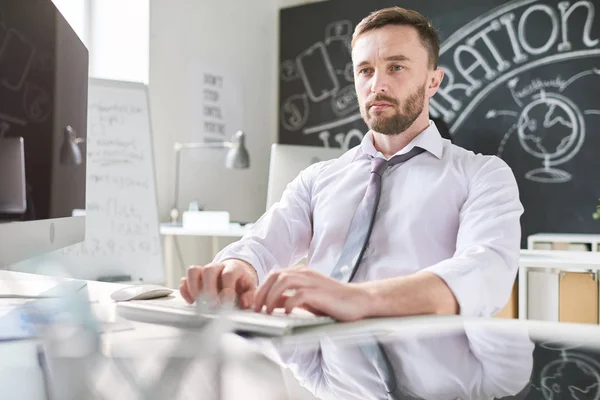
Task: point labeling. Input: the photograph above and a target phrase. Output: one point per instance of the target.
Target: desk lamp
(237, 158)
(70, 153)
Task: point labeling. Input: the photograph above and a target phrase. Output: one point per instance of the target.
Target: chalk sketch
(37, 103)
(344, 101)
(593, 71)
(349, 72)
(513, 21)
(288, 71)
(344, 139)
(554, 376)
(322, 81)
(15, 46)
(324, 136)
(294, 112)
(338, 30)
(12, 120)
(557, 131)
(555, 107)
(332, 124)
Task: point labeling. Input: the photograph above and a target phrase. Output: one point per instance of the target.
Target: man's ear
(437, 76)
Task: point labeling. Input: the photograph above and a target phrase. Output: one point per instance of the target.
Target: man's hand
(314, 292)
(230, 279)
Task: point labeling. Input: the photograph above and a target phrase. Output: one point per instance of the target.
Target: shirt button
(344, 269)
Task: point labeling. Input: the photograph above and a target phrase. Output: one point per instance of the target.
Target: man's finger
(229, 278)
(194, 280)
(211, 276)
(247, 299)
(302, 298)
(287, 280)
(261, 294)
(184, 291)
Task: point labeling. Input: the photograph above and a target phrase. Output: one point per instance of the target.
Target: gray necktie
(364, 217)
(353, 250)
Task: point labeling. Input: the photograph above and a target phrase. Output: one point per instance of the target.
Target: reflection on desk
(480, 359)
(472, 362)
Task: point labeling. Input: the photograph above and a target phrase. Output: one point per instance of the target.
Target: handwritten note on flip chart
(122, 223)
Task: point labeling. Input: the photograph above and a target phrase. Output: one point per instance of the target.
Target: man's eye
(397, 67)
(364, 71)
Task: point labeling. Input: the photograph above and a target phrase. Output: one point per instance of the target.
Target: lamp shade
(70, 153)
(237, 156)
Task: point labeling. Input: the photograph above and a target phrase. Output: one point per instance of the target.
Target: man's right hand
(230, 279)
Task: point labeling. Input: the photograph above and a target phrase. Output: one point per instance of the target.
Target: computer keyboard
(177, 312)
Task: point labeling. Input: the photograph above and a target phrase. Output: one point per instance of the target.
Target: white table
(144, 347)
(552, 262)
(170, 232)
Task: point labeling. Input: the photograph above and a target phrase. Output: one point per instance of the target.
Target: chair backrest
(287, 161)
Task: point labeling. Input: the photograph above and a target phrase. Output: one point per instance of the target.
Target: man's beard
(401, 120)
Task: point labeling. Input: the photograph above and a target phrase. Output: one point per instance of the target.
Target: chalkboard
(122, 223)
(522, 82)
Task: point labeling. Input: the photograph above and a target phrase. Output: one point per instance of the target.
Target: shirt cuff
(467, 284)
(243, 253)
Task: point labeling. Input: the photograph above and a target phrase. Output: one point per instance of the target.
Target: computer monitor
(43, 104)
(287, 161)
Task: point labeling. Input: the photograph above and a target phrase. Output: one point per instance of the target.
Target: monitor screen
(43, 118)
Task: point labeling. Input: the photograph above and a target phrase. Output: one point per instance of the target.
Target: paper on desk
(38, 288)
(12, 325)
(23, 318)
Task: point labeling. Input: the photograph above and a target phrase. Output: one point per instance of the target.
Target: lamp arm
(178, 147)
(177, 166)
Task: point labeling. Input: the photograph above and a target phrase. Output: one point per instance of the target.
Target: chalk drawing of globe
(576, 376)
(551, 128)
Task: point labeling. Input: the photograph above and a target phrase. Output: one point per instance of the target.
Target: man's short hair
(401, 16)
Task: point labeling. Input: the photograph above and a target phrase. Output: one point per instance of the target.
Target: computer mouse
(140, 292)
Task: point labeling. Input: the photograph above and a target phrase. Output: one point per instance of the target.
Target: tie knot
(378, 165)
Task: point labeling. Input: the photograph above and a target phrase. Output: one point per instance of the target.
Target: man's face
(391, 77)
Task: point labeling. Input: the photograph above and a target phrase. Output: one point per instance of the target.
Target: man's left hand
(314, 292)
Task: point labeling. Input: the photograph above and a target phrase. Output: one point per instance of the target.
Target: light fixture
(237, 158)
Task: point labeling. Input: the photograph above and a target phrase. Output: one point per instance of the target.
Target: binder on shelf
(578, 297)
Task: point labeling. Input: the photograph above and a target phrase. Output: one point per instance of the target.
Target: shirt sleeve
(482, 271)
(282, 236)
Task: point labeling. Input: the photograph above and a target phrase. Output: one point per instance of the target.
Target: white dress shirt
(447, 211)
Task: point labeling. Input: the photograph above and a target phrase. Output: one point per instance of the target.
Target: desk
(170, 231)
(448, 357)
(549, 266)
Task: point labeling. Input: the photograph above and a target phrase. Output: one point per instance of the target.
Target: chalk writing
(478, 66)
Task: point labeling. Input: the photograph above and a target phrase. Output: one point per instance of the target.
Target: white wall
(243, 36)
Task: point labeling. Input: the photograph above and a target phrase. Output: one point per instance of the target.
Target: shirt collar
(429, 140)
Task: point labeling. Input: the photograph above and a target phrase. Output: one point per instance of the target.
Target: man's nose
(379, 83)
